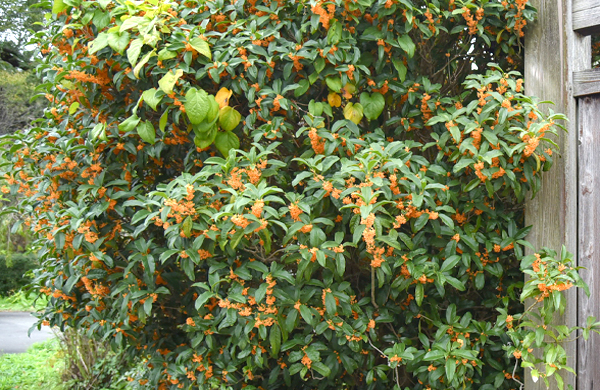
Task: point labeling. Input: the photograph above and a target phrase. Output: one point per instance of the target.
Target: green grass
(37, 369)
(21, 302)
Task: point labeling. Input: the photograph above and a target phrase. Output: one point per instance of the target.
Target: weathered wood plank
(586, 16)
(589, 237)
(552, 52)
(586, 82)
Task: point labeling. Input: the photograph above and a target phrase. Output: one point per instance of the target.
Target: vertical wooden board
(552, 52)
(588, 375)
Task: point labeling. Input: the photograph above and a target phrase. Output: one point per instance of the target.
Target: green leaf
(303, 86)
(407, 45)
(455, 131)
(135, 48)
(319, 65)
(372, 104)
(129, 124)
(144, 61)
(225, 141)
(449, 263)
(202, 299)
(196, 105)
(162, 123)
(166, 54)
(133, 21)
(400, 68)
(99, 131)
(201, 46)
(58, 6)
(334, 34)
(167, 82)
(306, 314)
(330, 304)
(206, 139)
(457, 284)
(118, 41)
(275, 340)
(334, 83)
(146, 132)
(229, 118)
(186, 226)
(450, 369)
(321, 368)
(99, 43)
(73, 108)
(213, 110)
(419, 291)
(149, 96)
(433, 355)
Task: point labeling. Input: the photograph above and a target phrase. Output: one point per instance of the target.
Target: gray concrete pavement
(13, 332)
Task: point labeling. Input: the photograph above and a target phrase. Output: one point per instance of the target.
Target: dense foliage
(17, 111)
(274, 194)
(14, 270)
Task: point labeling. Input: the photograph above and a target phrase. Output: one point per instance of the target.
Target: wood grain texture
(553, 53)
(589, 237)
(586, 82)
(586, 16)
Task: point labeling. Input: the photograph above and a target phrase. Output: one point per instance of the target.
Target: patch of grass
(38, 368)
(21, 301)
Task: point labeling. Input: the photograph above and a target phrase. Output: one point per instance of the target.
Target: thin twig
(521, 384)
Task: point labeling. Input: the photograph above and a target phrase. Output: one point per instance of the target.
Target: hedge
(295, 194)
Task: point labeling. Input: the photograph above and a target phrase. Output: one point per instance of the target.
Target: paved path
(13, 332)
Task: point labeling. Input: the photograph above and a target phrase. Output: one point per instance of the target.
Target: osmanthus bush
(294, 194)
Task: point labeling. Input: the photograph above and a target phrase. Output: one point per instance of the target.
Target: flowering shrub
(294, 194)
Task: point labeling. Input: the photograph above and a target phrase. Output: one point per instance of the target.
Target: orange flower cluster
(472, 21)
(295, 212)
(325, 15)
(532, 144)
(98, 290)
(520, 21)
(369, 238)
(180, 209)
(85, 229)
(478, 167)
(317, 143)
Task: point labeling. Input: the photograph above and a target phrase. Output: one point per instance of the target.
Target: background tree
(18, 20)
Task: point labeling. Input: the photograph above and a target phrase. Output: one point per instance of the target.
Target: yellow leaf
(334, 99)
(353, 112)
(222, 97)
(348, 90)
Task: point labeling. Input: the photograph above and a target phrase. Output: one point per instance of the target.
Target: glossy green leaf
(151, 98)
(118, 41)
(225, 141)
(134, 50)
(407, 45)
(129, 124)
(196, 105)
(372, 104)
(201, 46)
(147, 132)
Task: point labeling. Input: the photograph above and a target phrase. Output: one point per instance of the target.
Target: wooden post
(553, 51)
(588, 375)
